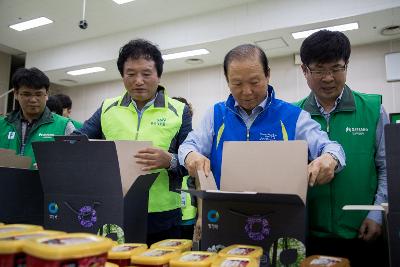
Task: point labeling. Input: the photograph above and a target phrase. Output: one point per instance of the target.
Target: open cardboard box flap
(263, 167)
(9, 159)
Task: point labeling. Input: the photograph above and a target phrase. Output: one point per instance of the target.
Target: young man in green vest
(145, 112)
(356, 121)
(34, 121)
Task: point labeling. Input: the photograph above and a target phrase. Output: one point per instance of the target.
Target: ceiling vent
(194, 61)
(391, 30)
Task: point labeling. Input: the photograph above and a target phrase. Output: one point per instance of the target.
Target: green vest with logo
(188, 209)
(48, 125)
(159, 123)
(353, 125)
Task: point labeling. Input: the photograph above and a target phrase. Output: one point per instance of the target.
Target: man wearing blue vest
(145, 112)
(250, 110)
(355, 120)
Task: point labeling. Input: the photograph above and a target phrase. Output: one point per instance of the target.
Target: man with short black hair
(356, 121)
(145, 112)
(34, 121)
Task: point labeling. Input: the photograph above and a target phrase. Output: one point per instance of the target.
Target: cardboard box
(392, 145)
(21, 194)
(95, 187)
(274, 217)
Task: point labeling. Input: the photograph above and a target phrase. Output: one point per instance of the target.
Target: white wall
(5, 67)
(203, 87)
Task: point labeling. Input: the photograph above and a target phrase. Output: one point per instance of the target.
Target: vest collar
(159, 102)
(347, 103)
(230, 102)
(44, 118)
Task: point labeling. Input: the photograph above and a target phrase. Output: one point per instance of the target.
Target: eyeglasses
(319, 74)
(29, 95)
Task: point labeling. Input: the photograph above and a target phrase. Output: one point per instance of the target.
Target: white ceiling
(176, 25)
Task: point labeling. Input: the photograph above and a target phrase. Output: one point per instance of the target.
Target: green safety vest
(188, 208)
(353, 125)
(159, 123)
(48, 125)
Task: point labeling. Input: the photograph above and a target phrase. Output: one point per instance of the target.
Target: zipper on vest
(138, 125)
(248, 134)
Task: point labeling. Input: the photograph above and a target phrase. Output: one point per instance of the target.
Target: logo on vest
(268, 136)
(159, 122)
(11, 135)
(46, 135)
(357, 130)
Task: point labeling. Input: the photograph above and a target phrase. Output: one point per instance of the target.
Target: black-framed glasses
(319, 74)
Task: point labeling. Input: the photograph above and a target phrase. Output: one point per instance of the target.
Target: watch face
(173, 163)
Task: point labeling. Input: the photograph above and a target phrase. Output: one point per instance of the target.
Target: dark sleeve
(186, 128)
(92, 127)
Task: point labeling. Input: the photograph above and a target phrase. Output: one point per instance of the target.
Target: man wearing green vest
(145, 112)
(34, 121)
(356, 121)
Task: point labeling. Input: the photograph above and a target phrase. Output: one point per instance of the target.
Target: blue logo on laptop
(213, 216)
(53, 208)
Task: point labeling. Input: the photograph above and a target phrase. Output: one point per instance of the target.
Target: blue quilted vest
(276, 122)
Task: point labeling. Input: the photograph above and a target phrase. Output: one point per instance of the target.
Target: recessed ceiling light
(120, 2)
(186, 54)
(340, 28)
(33, 23)
(85, 71)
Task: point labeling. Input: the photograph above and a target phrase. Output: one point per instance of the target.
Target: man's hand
(369, 230)
(321, 170)
(153, 158)
(197, 162)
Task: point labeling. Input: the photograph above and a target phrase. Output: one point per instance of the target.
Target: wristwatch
(335, 158)
(173, 163)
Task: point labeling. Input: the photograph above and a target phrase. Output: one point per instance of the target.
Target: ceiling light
(186, 54)
(85, 71)
(120, 2)
(33, 23)
(340, 28)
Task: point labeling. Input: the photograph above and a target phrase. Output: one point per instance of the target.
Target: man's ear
(16, 94)
(304, 69)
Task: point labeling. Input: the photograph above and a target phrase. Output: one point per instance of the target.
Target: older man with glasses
(356, 121)
(34, 121)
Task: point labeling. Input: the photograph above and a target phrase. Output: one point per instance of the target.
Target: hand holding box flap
(8, 158)
(265, 167)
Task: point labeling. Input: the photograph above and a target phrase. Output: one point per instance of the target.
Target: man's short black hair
(137, 49)
(54, 104)
(243, 52)
(32, 78)
(324, 47)
(65, 100)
